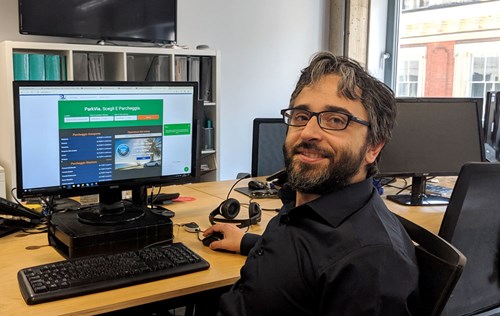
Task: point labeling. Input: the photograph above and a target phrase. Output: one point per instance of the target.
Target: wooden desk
(20, 251)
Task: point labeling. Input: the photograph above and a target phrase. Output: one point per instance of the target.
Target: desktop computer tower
(72, 239)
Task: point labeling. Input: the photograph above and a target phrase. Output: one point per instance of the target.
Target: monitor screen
(490, 110)
(79, 138)
(495, 128)
(127, 20)
(433, 137)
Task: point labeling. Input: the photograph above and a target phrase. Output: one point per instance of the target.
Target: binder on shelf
(181, 68)
(159, 69)
(21, 66)
(36, 66)
(64, 74)
(80, 67)
(96, 66)
(194, 69)
(206, 78)
(52, 67)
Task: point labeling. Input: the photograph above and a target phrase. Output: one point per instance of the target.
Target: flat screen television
(432, 137)
(79, 138)
(123, 20)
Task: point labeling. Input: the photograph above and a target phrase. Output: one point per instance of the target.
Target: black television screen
(125, 20)
(79, 138)
(432, 137)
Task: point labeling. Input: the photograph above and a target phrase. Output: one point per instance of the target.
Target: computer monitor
(489, 114)
(496, 124)
(267, 146)
(432, 137)
(80, 138)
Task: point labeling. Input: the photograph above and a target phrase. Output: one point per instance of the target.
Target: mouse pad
(259, 194)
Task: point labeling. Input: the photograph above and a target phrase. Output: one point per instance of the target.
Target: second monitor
(432, 137)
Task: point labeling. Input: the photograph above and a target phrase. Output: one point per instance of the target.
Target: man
(334, 248)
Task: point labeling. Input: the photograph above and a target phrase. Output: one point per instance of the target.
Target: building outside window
(484, 75)
(448, 48)
(411, 68)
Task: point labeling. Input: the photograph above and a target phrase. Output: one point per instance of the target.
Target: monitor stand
(418, 197)
(112, 209)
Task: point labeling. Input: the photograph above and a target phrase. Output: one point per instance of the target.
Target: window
(477, 69)
(445, 48)
(484, 75)
(410, 72)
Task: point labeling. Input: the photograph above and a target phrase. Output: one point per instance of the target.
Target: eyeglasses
(332, 120)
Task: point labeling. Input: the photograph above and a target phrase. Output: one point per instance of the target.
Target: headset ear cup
(254, 210)
(230, 208)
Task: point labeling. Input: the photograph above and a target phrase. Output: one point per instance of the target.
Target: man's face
(320, 161)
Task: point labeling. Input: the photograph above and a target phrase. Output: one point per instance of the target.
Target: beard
(318, 179)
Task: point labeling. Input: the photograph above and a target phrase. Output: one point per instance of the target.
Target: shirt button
(285, 219)
(241, 288)
(260, 252)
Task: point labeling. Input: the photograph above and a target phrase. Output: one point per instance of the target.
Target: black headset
(230, 208)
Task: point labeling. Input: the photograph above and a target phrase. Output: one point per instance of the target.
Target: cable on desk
(159, 243)
(191, 227)
(265, 209)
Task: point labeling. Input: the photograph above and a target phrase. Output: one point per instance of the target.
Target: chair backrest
(267, 146)
(472, 224)
(440, 266)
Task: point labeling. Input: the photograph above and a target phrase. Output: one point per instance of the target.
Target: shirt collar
(333, 207)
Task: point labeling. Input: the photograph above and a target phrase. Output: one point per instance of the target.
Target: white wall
(377, 38)
(263, 45)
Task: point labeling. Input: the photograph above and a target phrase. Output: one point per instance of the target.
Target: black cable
(238, 181)
(150, 67)
(159, 243)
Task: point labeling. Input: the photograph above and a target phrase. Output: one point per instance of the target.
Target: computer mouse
(256, 185)
(215, 236)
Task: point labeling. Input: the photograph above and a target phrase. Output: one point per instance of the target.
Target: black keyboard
(85, 275)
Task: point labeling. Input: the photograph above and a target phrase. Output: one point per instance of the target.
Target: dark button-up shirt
(344, 253)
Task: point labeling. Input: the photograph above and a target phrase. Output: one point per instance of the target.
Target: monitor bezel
(123, 185)
(24, 30)
(478, 102)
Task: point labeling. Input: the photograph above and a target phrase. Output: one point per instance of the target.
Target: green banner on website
(109, 113)
(176, 129)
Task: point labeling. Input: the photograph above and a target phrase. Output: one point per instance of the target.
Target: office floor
(149, 310)
(206, 305)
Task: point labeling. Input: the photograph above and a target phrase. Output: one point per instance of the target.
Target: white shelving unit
(120, 64)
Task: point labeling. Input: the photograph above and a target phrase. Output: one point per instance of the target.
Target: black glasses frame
(350, 118)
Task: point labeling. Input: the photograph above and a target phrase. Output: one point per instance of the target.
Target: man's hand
(232, 236)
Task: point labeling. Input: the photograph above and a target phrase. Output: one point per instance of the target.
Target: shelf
(119, 63)
(208, 151)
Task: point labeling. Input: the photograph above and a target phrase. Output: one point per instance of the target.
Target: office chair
(440, 265)
(472, 224)
(267, 146)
